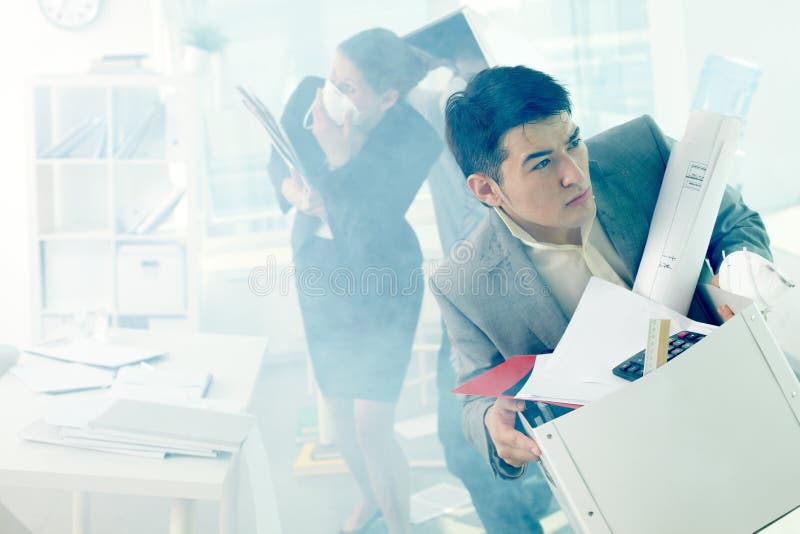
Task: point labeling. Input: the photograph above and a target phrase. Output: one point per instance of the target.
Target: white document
(49, 376)
(90, 351)
(436, 501)
(145, 382)
(691, 192)
(609, 325)
(75, 410)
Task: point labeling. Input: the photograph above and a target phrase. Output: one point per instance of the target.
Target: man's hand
(339, 144)
(724, 311)
(512, 446)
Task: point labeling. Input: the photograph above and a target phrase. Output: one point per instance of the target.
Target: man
(501, 506)
(564, 211)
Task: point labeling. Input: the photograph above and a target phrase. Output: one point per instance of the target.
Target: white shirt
(566, 269)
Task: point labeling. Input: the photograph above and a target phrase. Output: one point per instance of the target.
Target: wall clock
(70, 14)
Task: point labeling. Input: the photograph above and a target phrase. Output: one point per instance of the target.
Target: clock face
(70, 14)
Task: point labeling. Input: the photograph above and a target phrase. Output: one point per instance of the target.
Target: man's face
(545, 184)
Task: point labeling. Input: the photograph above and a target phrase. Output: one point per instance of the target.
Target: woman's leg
(347, 441)
(386, 463)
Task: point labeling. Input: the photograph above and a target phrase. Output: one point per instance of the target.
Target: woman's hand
(304, 198)
(339, 144)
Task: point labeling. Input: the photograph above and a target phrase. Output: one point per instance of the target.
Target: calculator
(632, 368)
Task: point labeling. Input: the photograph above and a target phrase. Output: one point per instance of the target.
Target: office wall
(763, 33)
(29, 46)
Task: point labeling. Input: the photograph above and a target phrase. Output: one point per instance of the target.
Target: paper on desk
(608, 326)
(50, 376)
(93, 352)
(75, 410)
(691, 192)
(145, 382)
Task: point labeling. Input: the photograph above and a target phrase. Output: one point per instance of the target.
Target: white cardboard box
(151, 280)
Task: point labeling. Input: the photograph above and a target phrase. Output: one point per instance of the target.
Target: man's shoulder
(482, 249)
(643, 126)
(635, 138)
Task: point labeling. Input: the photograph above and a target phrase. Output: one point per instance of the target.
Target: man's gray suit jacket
(496, 305)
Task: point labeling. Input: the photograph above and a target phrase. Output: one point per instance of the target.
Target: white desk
(234, 361)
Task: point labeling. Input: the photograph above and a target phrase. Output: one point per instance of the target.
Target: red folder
(504, 380)
(499, 379)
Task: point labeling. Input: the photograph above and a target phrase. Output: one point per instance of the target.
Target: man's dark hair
(495, 101)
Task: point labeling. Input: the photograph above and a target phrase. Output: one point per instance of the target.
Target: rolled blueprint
(694, 182)
(687, 207)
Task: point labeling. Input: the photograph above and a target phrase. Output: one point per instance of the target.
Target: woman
(365, 152)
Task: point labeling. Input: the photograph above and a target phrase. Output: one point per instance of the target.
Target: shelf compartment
(77, 236)
(71, 122)
(150, 200)
(77, 275)
(73, 199)
(143, 122)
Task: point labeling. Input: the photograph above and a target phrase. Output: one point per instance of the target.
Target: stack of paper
(90, 351)
(609, 325)
(139, 428)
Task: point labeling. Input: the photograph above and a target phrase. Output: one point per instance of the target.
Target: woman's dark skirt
(359, 322)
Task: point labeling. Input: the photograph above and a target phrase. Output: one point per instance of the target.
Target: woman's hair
(386, 61)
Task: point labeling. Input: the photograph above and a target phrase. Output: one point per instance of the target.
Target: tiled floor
(281, 395)
(318, 504)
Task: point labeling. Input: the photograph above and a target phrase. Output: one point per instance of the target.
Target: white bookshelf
(108, 153)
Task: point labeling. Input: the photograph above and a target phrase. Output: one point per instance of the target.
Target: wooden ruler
(655, 354)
